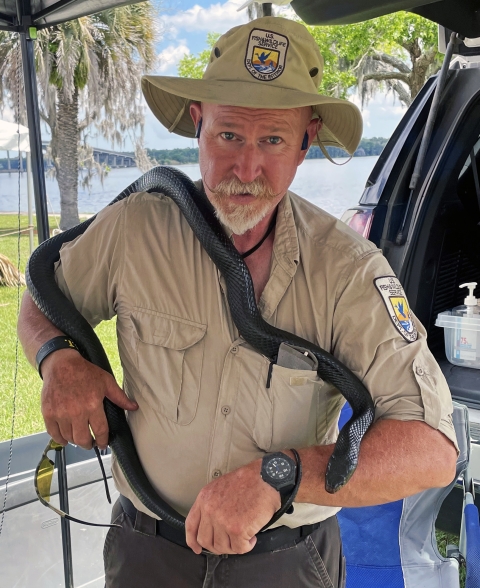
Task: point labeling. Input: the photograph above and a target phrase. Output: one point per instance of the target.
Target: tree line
(13, 163)
(367, 147)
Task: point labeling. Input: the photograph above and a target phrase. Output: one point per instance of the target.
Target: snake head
(338, 474)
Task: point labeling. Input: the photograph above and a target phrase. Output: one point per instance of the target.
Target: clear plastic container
(462, 337)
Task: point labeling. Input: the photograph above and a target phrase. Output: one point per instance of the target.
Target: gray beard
(239, 221)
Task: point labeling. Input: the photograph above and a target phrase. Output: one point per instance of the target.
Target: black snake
(263, 337)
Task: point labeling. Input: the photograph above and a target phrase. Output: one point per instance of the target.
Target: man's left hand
(229, 512)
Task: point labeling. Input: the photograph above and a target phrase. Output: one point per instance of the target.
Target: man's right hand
(72, 399)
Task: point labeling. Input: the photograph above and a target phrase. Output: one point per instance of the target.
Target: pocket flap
(165, 330)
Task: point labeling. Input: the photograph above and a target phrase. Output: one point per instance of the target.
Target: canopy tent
(459, 15)
(26, 16)
(9, 137)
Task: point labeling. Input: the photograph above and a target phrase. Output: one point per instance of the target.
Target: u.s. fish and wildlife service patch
(266, 53)
(396, 303)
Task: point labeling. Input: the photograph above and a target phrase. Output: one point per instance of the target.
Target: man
(206, 410)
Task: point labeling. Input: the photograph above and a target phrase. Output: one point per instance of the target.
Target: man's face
(248, 158)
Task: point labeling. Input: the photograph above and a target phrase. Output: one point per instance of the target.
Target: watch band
(55, 344)
(288, 505)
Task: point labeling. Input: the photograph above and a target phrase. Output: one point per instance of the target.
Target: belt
(269, 540)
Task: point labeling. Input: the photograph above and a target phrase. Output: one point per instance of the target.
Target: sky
(183, 26)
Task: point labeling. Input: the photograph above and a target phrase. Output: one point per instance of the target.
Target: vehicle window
(468, 162)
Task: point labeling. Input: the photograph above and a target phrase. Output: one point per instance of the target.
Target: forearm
(34, 329)
(397, 459)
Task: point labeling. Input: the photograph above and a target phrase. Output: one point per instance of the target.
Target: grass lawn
(28, 418)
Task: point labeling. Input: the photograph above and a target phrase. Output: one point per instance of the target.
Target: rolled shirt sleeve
(401, 374)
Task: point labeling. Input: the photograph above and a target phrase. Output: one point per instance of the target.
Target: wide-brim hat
(270, 62)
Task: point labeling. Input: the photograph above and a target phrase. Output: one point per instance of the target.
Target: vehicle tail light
(359, 219)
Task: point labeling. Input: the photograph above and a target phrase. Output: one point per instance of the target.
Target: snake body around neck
(262, 336)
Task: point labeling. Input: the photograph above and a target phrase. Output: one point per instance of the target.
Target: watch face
(278, 468)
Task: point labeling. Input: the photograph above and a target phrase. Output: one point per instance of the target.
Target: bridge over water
(113, 159)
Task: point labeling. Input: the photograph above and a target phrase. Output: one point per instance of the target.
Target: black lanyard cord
(260, 243)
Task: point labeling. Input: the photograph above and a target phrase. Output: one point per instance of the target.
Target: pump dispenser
(470, 307)
(470, 300)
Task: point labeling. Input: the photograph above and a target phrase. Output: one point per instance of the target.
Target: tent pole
(29, 201)
(28, 34)
(61, 465)
(31, 98)
(267, 9)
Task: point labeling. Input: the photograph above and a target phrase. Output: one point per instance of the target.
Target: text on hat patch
(266, 53)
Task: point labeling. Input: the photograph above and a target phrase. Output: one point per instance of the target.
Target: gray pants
(136, 556)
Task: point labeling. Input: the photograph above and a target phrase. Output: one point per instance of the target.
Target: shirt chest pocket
(169, 362)
(290, 412)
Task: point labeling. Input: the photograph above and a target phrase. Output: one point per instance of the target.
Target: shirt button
(225, 410)
(234, 349)
(420, 371)
(216, 474)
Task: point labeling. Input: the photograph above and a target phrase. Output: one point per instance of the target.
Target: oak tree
(396, 52)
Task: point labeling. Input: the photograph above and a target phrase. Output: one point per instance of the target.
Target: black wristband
(289, 502)
(61, 342)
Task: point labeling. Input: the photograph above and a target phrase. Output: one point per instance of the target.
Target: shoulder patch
(266, 54)
(397, 307)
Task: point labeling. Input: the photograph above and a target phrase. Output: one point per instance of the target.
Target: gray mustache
(234, 186)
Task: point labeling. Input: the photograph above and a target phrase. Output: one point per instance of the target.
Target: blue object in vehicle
(373, 559)
(345, 415)
(394, 544)
(473, 546)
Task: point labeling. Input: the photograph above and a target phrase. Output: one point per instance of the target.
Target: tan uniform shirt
(204, 405)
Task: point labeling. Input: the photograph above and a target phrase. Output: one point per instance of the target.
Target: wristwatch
(280, 471)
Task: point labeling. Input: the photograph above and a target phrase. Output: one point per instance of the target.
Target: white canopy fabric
(9, 137)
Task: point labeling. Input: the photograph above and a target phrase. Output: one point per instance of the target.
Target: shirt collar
(285, 259)
(285, 246)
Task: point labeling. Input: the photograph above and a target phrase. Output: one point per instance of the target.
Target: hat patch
(266, 53)
(397, 306)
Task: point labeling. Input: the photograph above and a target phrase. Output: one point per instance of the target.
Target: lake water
(331, 187)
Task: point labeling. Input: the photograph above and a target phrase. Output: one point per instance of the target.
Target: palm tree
(88, 72)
